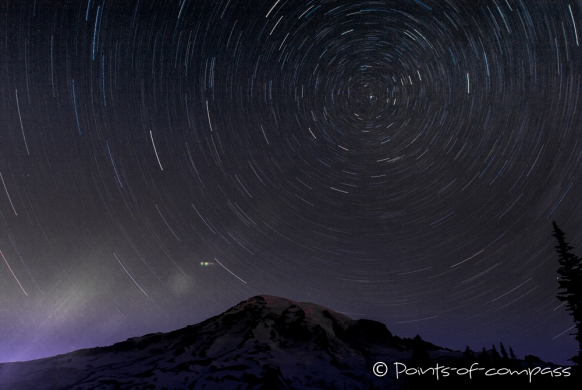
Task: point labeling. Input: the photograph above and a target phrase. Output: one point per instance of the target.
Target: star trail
(400, 161)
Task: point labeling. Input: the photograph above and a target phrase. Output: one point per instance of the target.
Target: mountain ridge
(264, 342)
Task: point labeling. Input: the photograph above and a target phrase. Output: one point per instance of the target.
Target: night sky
(400, 161)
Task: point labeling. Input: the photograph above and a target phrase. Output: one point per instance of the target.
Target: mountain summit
(264, 342)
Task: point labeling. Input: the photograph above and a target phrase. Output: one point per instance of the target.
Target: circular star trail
(394, 160)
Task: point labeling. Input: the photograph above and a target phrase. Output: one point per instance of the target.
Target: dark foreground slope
(263, 343)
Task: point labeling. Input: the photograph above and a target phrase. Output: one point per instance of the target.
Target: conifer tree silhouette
(420, 356)
(484, 358)
(469, 355)
(503, 351)
(570, 281)
(495, 357)
(512, 354)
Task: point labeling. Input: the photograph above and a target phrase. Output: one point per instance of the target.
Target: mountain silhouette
(265, 342)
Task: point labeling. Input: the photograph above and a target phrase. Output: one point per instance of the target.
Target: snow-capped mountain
(265, 342)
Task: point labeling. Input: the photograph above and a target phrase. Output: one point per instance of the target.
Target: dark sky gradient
(394, 160)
